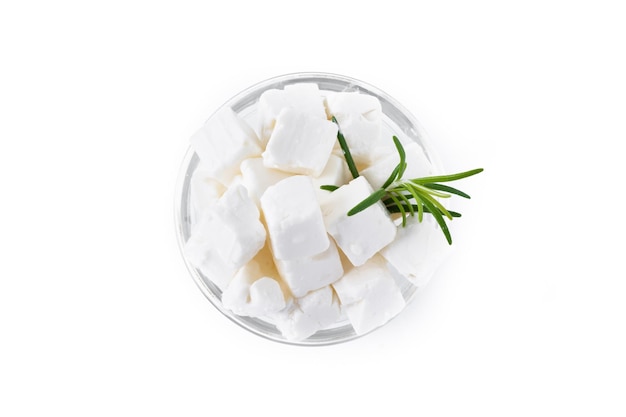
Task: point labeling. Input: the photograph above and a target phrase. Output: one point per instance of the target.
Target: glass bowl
(396, 121)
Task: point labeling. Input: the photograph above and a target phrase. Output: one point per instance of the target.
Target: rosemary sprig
(408, 197)
(417, 195)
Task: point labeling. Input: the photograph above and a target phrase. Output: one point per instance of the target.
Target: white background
(98, 315)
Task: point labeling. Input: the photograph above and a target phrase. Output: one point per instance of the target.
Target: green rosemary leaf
(420, 209)
(440, 220)
(346, 150)
(418, 201)
(388, 200)
(421, 189)
(402, 153)
(330, 188)
(407, 203)
(392, 177)
(392, 208)
(412, 194)
(446, 188)
(437, 204)
(447, 178)
(454, 213)
(367, 202)
(399, 205)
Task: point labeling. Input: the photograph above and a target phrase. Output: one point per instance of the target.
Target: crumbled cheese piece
(198, 251)
(360, 120)
(300, 144)
(227, 236)
(362, 235)
(204, 192)
(417, 166)
(256, 177)
(311, 273)
(417, 251)
(223, 142)
(255, 289)
(304, 98)
(335, 173)
(294, 220)
(369, 295)
(306, 315)
(236, 181)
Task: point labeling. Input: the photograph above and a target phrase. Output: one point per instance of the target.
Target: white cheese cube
(256, 177)
(360, 120)
(255, 290)
(200, 254)
(223, 142)
(418, 250)
(362, 235)
(300, 144)
(294, 219)
(293, 323)
(204, 191)
(335, 173)
(307, 274)
(304, 98)
(323, 305)
(239, 234)
(266, 297)
(304, 316)
(417, 165)
(236, 181)
(228, 235)
(369, 295)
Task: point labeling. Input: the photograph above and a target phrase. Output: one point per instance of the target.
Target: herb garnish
(408, 196)
(346, 151)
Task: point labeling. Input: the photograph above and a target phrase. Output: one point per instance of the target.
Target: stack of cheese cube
(280, 248)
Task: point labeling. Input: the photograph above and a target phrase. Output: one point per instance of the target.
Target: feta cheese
(198, 251)
(239, 234)
(369, 295)
(307, 274)
(360, 120)
(417, 251)
(362, 235)
(417, 166)
(223, 142)
(236, 181)
(299, 143)
(228, 235)
(294, 219)
(335, 173)
(256, 177)
(266, 297)
(304, 316)
(255, 289)
(204, 192)
(304, 98)
(323, 305)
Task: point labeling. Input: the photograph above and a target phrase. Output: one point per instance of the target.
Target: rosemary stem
(346, 151)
